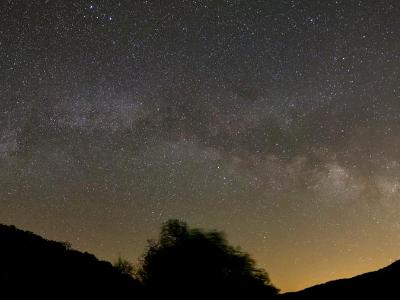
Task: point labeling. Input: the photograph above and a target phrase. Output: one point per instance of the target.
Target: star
(286, 110)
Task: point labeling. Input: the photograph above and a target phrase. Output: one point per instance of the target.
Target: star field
(275, 121)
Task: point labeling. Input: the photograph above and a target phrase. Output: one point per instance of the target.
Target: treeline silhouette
(184, 263)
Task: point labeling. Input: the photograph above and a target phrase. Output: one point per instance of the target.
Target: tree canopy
(187, 262)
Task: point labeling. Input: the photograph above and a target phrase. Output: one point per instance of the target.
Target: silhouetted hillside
(39, 268)
(381, 284)
(184, 263)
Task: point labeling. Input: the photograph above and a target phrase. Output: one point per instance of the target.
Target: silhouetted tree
(67, 245)
(124, 266)
(192, 263)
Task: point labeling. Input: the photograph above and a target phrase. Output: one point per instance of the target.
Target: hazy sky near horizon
(276, 121)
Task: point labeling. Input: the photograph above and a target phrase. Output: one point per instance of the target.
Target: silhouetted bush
(124, 266)
(191, 263)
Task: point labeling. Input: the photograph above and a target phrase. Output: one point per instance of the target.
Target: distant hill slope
(380, 284)
(35, 267)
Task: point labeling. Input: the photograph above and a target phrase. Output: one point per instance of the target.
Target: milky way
(275, 121)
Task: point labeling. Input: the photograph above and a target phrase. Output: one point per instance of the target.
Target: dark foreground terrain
(35, 267)
(381, 284)
(31, 266)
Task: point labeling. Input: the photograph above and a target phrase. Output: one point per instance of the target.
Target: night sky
(276, 121)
